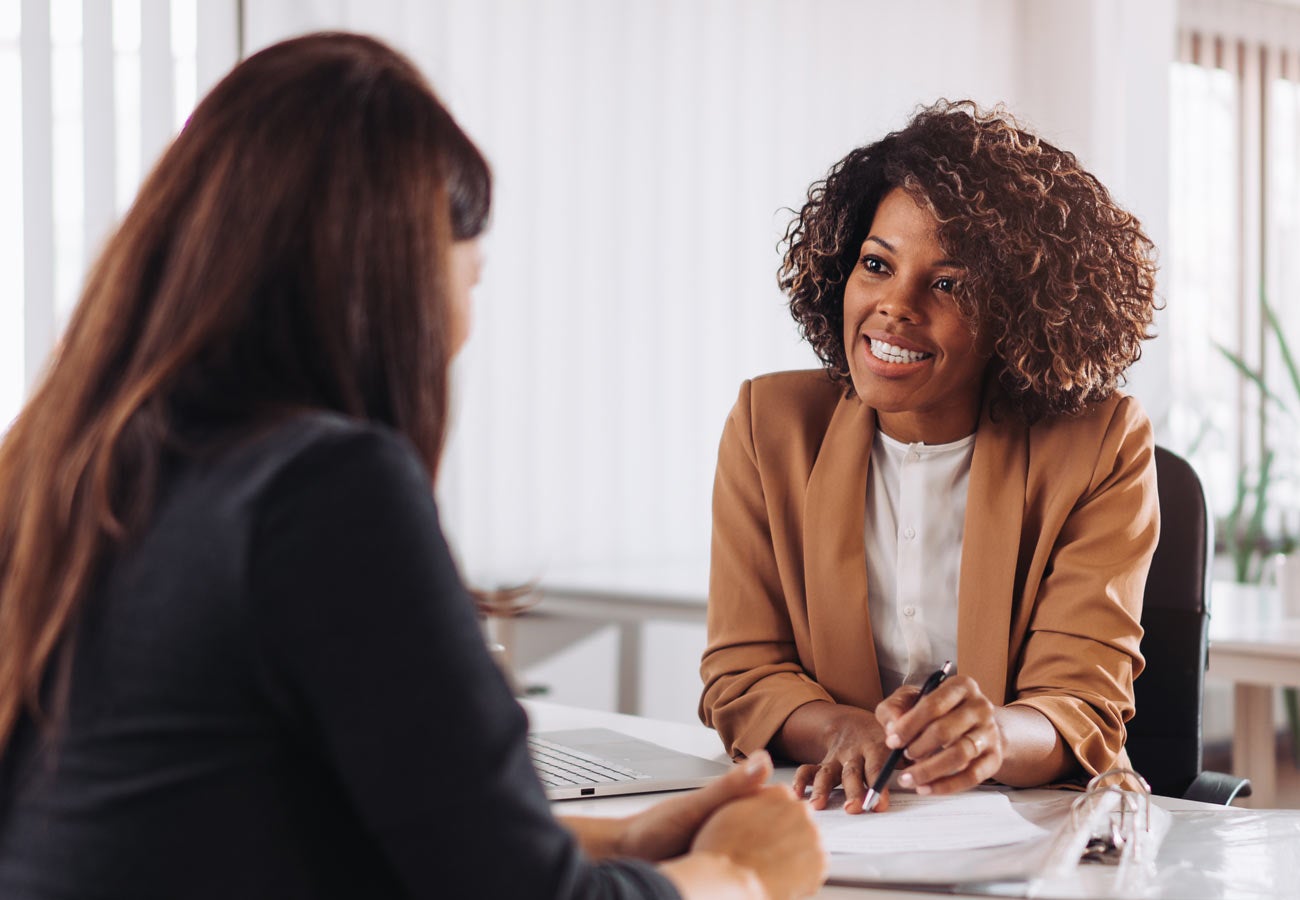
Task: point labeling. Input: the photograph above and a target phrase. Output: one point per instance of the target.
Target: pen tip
(870, 801)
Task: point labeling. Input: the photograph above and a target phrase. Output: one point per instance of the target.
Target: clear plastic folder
(1111, 826)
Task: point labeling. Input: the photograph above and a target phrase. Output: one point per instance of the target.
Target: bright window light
(11, 215)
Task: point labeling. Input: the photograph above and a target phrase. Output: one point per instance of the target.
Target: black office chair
(1164, 736)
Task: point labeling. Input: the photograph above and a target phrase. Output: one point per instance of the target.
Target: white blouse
(916, 513)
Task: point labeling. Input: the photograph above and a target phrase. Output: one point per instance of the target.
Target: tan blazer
(1061, 523)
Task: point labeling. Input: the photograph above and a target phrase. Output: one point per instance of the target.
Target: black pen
(882, 780)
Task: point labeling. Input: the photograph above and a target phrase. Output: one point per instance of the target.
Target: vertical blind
(90, 93)
(1235, 242)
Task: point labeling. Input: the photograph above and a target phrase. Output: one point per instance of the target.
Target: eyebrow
(942, 263)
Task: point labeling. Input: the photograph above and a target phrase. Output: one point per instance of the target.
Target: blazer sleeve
(752, 676)
(1082, 649)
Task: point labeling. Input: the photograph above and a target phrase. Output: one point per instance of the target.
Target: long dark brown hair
(288, 251)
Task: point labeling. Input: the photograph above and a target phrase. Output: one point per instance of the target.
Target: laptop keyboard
(558, 766)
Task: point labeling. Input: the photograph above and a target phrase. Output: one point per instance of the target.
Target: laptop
(598, 762)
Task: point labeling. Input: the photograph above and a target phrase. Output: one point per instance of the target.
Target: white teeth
(889, 353)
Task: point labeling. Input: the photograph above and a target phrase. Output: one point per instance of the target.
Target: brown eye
(947, 285)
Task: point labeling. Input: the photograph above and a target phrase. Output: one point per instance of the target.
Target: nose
(900, 300)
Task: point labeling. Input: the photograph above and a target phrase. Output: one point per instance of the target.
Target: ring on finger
(976, 743)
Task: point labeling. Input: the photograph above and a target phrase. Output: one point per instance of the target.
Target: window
(1233, 260)
(11, 214)
(90, 93)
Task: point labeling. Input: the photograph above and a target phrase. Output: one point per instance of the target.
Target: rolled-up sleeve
(753, 679)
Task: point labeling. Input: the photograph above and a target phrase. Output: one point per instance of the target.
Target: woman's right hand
(773, 835)
(851, 744)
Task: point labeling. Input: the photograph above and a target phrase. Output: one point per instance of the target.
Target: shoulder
(349, 503)
(1107, 436)
(801, 399)
(809, 385)
(781, 421)
(319, 443)
(1119, 417)
(314, 458)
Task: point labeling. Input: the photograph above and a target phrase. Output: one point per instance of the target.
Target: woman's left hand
(952, 737)
(666, 829)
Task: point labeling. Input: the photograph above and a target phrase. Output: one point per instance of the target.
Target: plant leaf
(1234, 543)
(1255, 528)
(1202, 432)
(1288, 358)
(1254, 377)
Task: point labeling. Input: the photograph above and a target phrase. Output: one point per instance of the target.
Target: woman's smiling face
(912, 356)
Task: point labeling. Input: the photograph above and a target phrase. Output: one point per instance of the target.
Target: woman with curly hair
(968, 484)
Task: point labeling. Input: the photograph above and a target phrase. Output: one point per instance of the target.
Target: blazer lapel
(836, 560)
(995, 505)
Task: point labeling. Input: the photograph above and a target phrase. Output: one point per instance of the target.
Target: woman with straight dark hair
(236, 659)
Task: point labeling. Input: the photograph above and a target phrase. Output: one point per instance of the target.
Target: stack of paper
(912, 822)
(973, 838)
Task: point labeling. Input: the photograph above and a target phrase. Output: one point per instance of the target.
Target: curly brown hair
(1060, 278)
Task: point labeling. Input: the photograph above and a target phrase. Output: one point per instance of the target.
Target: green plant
(1244, 530)
(1243, 533)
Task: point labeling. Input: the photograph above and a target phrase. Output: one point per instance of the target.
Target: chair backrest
(1164, 736)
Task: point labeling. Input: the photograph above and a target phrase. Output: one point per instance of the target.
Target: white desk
(1255, 646)
(1210, 852)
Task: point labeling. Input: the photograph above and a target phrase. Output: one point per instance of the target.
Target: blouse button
(909, 611)
(909, 532)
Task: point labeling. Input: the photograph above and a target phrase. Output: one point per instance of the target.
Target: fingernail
(756, 763)
(905, 779)
(923, 789)
(892, 741)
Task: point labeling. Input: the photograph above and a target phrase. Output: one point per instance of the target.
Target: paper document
(912, 822)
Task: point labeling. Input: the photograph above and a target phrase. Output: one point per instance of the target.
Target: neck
(918, 428)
